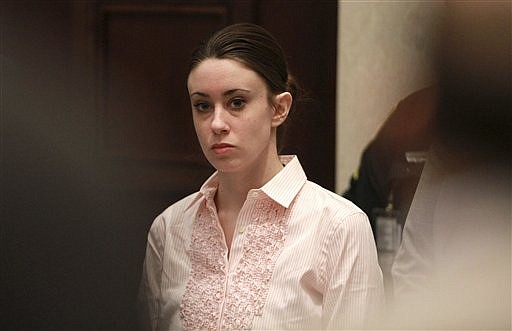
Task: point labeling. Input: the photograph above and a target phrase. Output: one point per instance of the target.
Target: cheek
(258, 127)
(200, 131)
(265, 121)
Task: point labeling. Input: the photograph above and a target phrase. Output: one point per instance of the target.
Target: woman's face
(232, 115)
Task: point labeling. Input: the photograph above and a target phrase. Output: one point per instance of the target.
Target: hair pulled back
(256, 48)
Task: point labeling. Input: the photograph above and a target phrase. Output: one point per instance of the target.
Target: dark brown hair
(256, 48)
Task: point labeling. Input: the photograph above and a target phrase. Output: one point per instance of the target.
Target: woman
(259, 246)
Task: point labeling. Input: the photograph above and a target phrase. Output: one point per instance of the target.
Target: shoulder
(182, 205)
(328, 199)
(328, 205)
(174, 222)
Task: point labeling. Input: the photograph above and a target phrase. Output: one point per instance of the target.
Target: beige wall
(383, 55)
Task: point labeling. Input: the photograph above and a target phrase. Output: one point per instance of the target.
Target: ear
(282, 105)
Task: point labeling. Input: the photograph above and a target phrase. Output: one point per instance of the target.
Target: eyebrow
(225, 94)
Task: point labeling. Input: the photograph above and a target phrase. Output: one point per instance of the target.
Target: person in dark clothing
(391, 163)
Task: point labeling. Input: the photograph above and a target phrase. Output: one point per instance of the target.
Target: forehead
(221, 75)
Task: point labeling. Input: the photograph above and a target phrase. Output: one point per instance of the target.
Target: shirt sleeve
(354, 290)
(149, 291)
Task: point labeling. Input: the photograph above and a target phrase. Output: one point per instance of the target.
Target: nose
(219, 122)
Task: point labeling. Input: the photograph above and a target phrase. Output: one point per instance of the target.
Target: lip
(222, 148)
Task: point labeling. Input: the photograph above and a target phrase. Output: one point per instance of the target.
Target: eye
(202, 106)
(237, 103)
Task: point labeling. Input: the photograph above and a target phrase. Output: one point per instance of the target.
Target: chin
(226, 165)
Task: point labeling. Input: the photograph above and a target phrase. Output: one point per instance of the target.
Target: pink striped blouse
(302, 257)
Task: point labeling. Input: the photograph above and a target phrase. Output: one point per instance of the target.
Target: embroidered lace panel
(211, 294)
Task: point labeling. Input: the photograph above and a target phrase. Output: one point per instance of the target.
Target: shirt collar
(286, 184)
(207, 190)
(282, 188)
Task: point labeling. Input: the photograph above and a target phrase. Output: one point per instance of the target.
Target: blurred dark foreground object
(453, 270)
